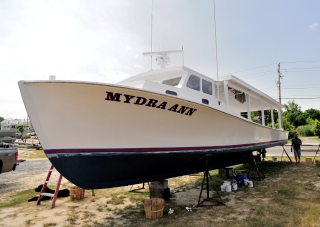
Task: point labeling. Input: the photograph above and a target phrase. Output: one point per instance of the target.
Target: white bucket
(245, 182)
(228, 188)
(234, 186)
(274, 158)
(226, 182)
(250, 184)
(223, 188)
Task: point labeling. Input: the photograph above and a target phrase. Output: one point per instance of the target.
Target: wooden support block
(308, 160)
(159, 189)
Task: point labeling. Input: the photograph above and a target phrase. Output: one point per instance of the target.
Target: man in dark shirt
(296, 143)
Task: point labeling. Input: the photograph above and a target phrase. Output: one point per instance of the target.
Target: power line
(287, 62)
(296, 88)
(253, 68)
(302, 98)
(303, 68)
(299, 61)
(250, 77)
(14, 112)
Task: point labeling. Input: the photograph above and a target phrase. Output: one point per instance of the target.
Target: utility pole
(279, 82)
(279, 87)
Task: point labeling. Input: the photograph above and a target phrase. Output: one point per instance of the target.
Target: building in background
(11, 124)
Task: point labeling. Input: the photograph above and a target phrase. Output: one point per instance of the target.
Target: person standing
(258, 118)
(296, 143)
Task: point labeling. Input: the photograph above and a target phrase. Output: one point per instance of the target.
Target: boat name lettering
(137, 100)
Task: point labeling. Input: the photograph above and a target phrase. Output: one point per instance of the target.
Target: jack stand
(316, 154)
(284, 151)
(206, 176)
(132, 190)
(253, 165)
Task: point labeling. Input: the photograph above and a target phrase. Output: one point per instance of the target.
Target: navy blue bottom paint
(105, 171)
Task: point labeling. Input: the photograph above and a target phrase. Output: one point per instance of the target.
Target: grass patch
(137, 196)
(49, 224)
(117, 199)
(315, 138)
(31, 154)
(87, 214)
(18, 198)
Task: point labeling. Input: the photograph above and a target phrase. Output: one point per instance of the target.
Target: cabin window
(173, 81)
(207, 87)
(194, 83)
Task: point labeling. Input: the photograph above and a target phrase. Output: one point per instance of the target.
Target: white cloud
(313, 26)
(138, 66)
(128, 48)
(112, 77)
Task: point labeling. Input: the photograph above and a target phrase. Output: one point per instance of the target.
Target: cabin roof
(170, 70)
(257, 97)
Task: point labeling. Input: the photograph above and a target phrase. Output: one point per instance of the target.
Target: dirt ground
(118, 207)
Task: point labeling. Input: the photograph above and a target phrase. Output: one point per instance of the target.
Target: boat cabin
(229, 94)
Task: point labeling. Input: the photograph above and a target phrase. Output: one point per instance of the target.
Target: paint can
(235, 186)
(226, 182)
(250, 184)
(223, 188)
(228, 188)
(245, 182)
(274, 158)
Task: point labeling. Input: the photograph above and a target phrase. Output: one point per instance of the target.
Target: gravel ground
(29, 174)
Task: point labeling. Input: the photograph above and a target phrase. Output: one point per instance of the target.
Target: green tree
(312, 113)
(1, 119)
(288, 126)
(21, 129)
(316, 129)
(294, 114)
(267, 116)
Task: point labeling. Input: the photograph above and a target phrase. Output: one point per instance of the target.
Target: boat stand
(284, 151)
(316, 154)
(136, 189)
(206, 176)
(254, 166)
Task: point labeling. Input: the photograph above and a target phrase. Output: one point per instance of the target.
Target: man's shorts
(297, 152)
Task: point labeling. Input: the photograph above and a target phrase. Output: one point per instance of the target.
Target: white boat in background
(148, 127)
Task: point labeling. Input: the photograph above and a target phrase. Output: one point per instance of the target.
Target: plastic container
(274, 158)
(235, 186)
(250, 184)
(154, 208)
(239, 179)
(223, 188)
(228, 188)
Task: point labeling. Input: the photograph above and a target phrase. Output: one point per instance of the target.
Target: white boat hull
(78, 119)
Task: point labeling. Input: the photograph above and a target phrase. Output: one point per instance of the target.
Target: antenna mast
(151, 29)
(215, 36)
(215, 39)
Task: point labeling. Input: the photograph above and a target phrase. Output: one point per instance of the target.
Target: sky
(103, 41)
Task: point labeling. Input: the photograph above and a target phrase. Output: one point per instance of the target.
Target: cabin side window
(194, 83)
(207, 87)
(172, 82)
